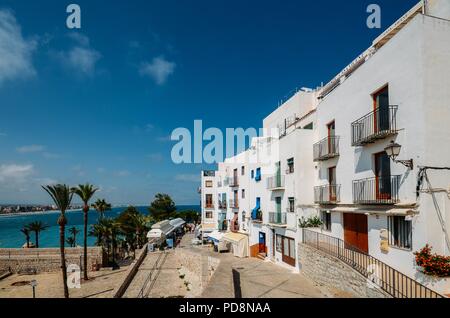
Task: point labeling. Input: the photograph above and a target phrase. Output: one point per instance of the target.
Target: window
(326, 220)
(209, 183)
(291, 204)
(400, 232)
(209, 200)
(258, 174)
(279, 242)
(243, 216)
(243, 194)
(309, 126)
(209, 215)
(290, 164)
(242, 170)
(253, 174)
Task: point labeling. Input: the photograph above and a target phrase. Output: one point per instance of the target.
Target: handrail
(390, 280)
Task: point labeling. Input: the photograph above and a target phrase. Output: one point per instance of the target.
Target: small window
(242, 170)
(209, 215)
(291, 204)
(326, 221)
(278, 243)
(209, 183)
(400, 232)
(252, 174)
(309, 126)
(258, 174)
(290, 164)
(243, 216)
(243, 194)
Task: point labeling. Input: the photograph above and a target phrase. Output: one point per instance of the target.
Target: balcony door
(331, 133)
(209, 201)
(235, 176)
(381, 110)
(332, 183)
(382, 176)
(278, 174)
(236, 198)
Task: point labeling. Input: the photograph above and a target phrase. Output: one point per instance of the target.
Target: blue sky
(99, 104)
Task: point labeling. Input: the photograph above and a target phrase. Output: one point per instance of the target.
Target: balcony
(326, 149)
(223, 205)
(234, 204)
(377, 124)
(234, 182)
(278, 218)
(327, 194)
(209, 206)
(275, 182)
(377, 190)
(258, 217)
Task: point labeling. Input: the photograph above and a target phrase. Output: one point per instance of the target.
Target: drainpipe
(424, 6)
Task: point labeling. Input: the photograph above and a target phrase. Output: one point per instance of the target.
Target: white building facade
(331, 159)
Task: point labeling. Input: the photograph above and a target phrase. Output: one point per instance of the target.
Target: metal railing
(258, 217)
(209, 173)
(330, 193)
(326, 149)
(223, 204)
(275, 181)
(377, 124)
(278, 218)
(234, 182)
(234, 204)
(376, 190)
(393, 282)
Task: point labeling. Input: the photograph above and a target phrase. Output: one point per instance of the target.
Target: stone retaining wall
(331, 272)
(45, 259)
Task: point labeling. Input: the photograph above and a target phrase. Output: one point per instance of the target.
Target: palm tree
(85, 192)
(106, 231)
(37, 227)
(26, 232)
(101, 206)
(74, 232)
(62, 197)
(71, 241)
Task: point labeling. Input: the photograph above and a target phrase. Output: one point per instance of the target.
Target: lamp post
(33, 284)
(393, 150)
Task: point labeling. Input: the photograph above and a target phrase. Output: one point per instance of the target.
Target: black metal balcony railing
(234, 204)
(385, 277)
(276, 181)
(234, 182)
(277, 218)
(209, 205)
(326, 149)
(378, 124)
(377, 190)
(330, 193)
(223, 204)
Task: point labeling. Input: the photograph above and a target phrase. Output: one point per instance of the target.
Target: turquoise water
(10, 225)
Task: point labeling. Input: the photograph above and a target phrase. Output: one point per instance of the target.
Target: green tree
(85, 192)
(37, 227)
(101, 206)
(74, 232)
(162, 207)
(190, 216)
(26, 232)
(62, 197)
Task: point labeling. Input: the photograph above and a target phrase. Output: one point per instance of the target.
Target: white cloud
(122, 173)
(30, 148)
(15, 51)
(188, 177)
(81, 57)
(159, 69)
(13, 173)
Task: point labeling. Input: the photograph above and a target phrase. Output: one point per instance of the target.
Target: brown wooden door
(332, 183)
(288, 250)
(382, 176)
(355, 231)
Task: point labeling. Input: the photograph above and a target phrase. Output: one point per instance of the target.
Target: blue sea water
(10, 225)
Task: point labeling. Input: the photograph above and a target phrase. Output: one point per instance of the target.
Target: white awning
(216, 235)
(155, 233)
(164, 226)
(176, 223)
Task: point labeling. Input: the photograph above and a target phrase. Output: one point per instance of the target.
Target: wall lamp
(393, 150)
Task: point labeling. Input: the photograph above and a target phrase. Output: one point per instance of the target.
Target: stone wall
(45, 259)
(197, 269)
(331, 272)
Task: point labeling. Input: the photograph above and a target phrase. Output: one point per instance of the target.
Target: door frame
(285, 257)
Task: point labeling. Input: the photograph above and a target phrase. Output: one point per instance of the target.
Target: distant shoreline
(36, 212)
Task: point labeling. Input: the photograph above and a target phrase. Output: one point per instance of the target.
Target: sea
(10, 225)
